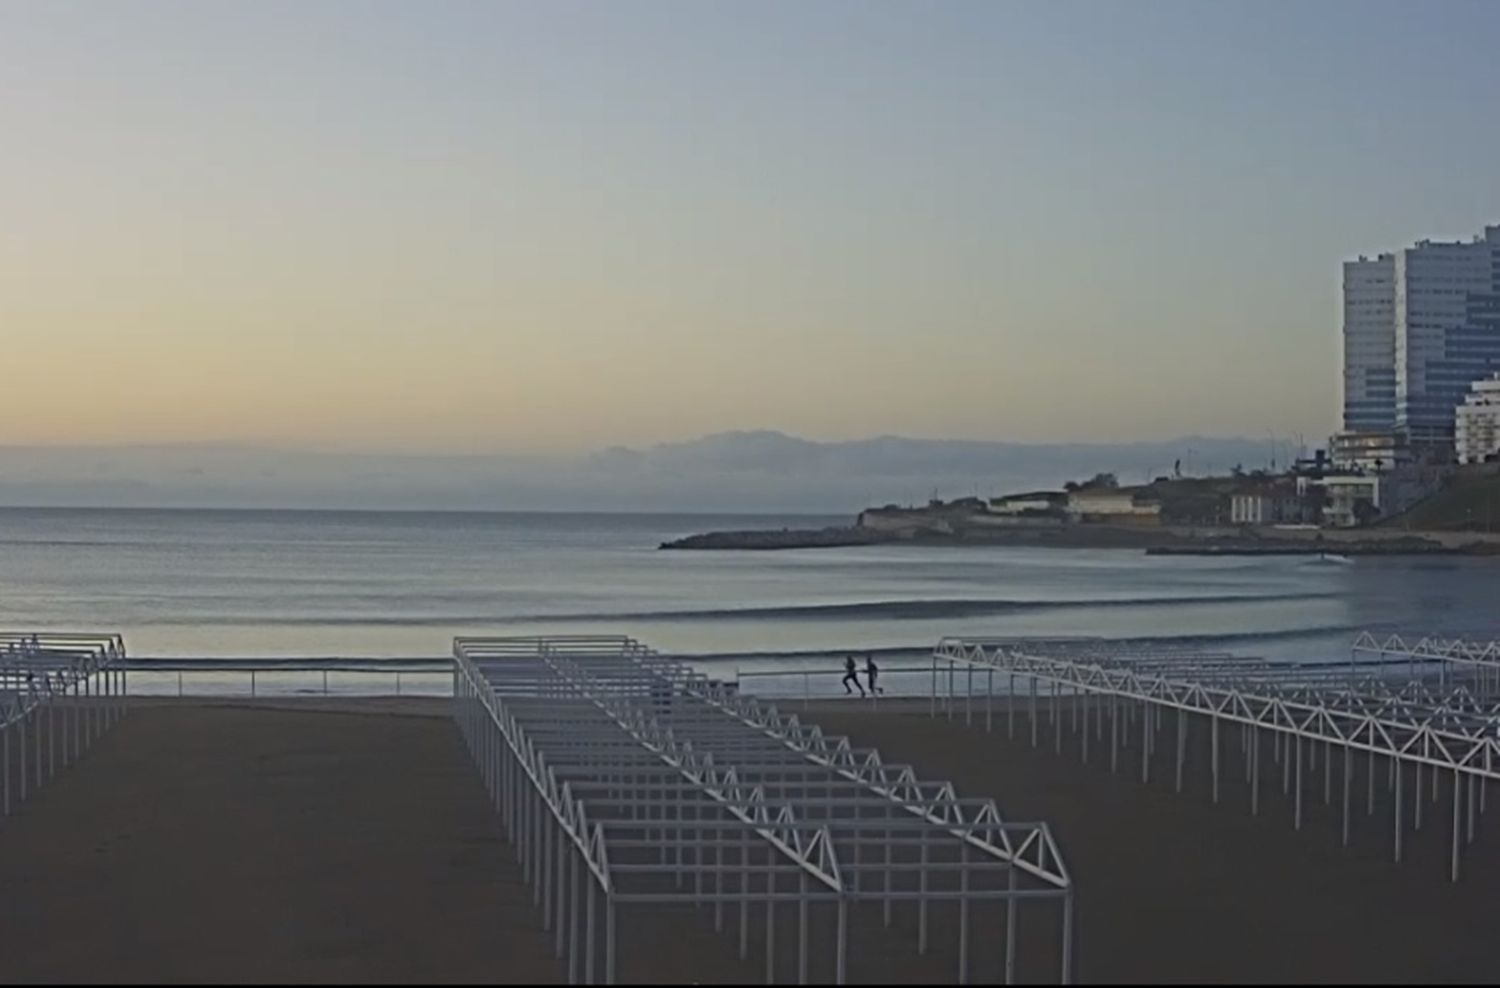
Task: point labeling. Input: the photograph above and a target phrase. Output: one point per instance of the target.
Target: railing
(906, 684)
(231, 677)
(289, 677)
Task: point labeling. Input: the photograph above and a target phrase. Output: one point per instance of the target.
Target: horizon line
(291, 446)
(241, 509)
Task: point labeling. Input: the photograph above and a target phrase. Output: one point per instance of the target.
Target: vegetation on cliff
(1468, 502)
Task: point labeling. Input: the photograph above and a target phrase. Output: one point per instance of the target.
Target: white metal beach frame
(58, 694)
(625, 779)
(1431, 705)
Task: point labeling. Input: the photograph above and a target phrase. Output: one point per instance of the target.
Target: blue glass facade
(1420, 327)
(1451, 334)
(1470, 352)
(1372, 407)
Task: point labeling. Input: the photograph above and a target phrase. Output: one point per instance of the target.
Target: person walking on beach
(871, 671)
(851, 675)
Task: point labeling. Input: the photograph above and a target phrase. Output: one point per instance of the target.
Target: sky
(547, 228)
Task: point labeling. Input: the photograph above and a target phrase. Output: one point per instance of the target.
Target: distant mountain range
(728, 472)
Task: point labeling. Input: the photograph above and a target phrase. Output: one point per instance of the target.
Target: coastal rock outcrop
(787, 538)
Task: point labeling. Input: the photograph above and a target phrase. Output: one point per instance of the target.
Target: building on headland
(1114, 505)
(1476, 436)
(1031, 503)
(1270, 504)
(1369, 452)
(1350, 500)
(1420, 326)
(1333, 497)
(1347, 499)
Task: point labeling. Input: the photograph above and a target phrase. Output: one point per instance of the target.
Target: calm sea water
(227, 583)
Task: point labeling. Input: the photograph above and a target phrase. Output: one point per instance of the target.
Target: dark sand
(1174, 888)
(351, 841)
(239, 843)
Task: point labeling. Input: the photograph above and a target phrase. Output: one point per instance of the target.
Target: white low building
(1034, 502)
(1353, 500)
(1356, 499)
(1124, 505)
(1476, 434)
(1106, 501)
(1268, 506)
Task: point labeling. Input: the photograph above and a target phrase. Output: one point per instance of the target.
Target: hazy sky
(552, 226)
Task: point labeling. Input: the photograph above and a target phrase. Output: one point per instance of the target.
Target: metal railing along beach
(212, 677)
(821, 685)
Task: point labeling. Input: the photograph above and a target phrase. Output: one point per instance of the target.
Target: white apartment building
(1269, 506)
(1476, 433)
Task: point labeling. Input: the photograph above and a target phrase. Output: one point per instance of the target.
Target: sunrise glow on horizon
(560, 226)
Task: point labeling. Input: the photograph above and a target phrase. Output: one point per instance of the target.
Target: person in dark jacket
(851, 676)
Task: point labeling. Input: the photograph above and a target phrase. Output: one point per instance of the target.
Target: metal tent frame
(1435, 653)
(625, 779)
(1431, 706)
(58, 694)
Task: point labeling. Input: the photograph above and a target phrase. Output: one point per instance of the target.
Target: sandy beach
(350, 840)
(332, 842)
(1174, 888)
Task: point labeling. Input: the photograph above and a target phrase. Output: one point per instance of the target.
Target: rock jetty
(787, 538)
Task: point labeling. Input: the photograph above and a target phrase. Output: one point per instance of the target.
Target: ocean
(181, 583)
